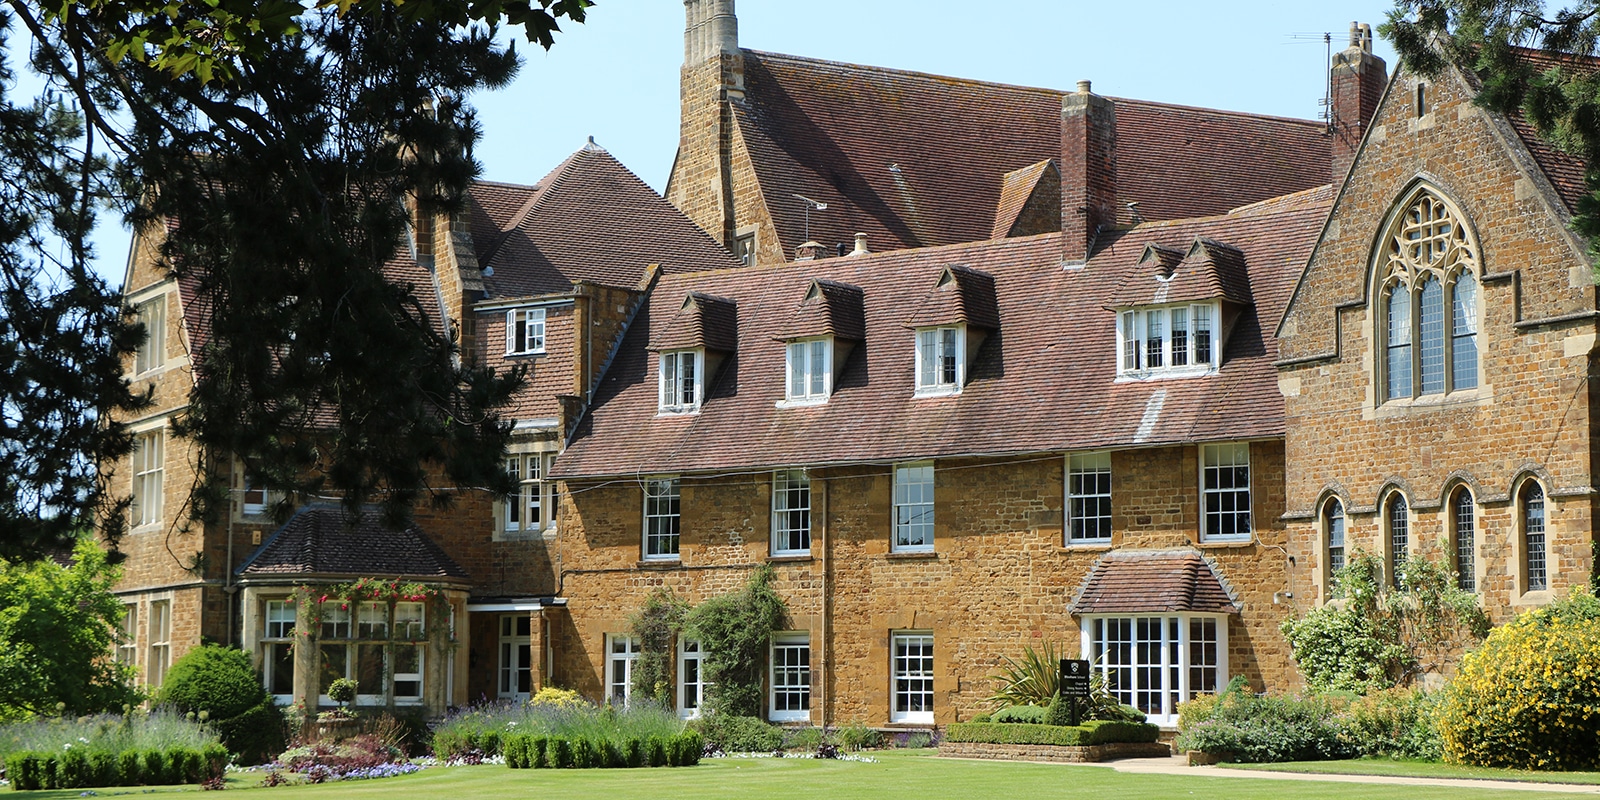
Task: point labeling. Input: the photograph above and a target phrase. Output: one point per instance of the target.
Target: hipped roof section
(325, 539)
(1207, 270)
(961, 296)
(590, 219)
(914, 160)
(1147, 581)
(702, 321)
(828, 308)
(1045, 381)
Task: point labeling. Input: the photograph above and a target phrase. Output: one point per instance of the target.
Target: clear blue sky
(616, 77)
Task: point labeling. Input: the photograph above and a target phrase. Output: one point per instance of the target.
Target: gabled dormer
(951, 322)
(1175, 307)
(690, 350)
(818, 339)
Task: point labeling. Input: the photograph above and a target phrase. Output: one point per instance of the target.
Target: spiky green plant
(1032, 681)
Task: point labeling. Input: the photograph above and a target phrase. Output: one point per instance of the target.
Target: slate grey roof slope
(322, 539)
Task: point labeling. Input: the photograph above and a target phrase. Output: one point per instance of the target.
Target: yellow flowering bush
(1529, 698)
(552, 697)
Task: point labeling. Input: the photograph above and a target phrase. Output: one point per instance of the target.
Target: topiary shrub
(130, 768)
(155, 768)
(221, 685)
(220, 681)
(1529, 698)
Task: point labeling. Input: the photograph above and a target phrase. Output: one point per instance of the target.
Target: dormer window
(1167, 340)
(682, 384)
(524, 331)
(941, 361)
(810, 370)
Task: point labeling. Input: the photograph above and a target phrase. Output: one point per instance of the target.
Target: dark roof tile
(323, 540)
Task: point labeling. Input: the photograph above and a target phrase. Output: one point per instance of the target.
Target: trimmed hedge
(1026, 715)
(75, 769)
(1090, 733)
(531, 751)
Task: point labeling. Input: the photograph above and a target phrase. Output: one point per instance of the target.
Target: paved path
(1178, 765)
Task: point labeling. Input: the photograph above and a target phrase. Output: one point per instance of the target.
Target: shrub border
(77, 769)
(533, 751)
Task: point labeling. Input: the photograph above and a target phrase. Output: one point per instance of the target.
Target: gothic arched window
(1428, 274)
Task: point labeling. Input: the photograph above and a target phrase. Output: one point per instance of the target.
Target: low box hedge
(1089, 733)
(77, 769)
(532, 751)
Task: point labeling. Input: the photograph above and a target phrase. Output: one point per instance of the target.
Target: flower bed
(554, 716)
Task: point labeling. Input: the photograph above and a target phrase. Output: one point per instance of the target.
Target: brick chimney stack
(1355, 83)
(1088, 171)
(701, 185)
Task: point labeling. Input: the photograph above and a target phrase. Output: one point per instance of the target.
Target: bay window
(1153, 663)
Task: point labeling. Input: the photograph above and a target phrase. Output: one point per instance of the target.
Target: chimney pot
(861, 245)
(1083, 87)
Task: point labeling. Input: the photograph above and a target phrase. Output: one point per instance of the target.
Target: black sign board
(1074, 677)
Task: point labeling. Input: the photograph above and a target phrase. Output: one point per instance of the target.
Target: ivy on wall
(655, 627)
(734, 631)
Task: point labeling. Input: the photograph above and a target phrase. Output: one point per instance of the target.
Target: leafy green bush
(1394, 723)
(1379, 637)
(1247, 728)
(529, 751)
(82, 768)
(808, 739)
(256, 735)
(1029, 715)
(735, 734)
(1529, 698)
(342, 691)
(857, 736)
(1090, 733)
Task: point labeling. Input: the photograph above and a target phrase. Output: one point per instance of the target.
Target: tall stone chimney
(1088, 171)
(701, 185)
(1356, 81)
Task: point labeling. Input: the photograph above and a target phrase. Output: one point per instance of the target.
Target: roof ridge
(902, 252)
(907, 72)
(1227, 111)
(1280, 198)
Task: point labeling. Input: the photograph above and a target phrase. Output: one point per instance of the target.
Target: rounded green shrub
(1529, 698)
(130, 768)
(220, 681)
(155, 768)
(736, 734)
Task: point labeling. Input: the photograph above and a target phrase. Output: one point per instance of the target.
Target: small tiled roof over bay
(323, 539)
(590, 219)
(917, 160)
(1143, 581)
(1045, 380)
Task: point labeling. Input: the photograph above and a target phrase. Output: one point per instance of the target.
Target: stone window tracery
(1428, 302)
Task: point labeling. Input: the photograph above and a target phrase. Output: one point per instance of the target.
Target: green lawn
(914, 774)
(1421, 769)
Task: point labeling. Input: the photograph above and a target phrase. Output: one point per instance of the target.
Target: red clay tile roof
(1209, 270)
(1044, 381)
(914, 160)
(590, 219)
(1141, 581)
(828, 308)
(321, 540)
(1018, 188)
(701, 321)
(960, 295)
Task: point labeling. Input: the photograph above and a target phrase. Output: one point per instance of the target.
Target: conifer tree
(277, 146)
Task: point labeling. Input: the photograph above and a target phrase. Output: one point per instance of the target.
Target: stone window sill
(913, 555)
(659, 563)
(798, 558)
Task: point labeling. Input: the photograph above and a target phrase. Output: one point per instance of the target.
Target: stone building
(1049, 366)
